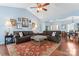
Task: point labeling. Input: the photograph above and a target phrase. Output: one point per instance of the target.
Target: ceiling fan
(41, 6)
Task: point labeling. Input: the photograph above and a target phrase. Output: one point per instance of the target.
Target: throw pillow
(54, 33)
(20, 34)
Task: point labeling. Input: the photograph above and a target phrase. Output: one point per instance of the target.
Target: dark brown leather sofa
(27, 36)
(55, 38)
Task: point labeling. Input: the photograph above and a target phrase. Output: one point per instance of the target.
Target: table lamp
(8, 25)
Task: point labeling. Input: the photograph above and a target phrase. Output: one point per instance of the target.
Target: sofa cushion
(30, 33)
(25, 33)
(50, 32)
(23, 39)
(16, 34)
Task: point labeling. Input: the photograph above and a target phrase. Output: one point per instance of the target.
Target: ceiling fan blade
(44, 9)
(38, 4)
(33, 7)
(45, 4)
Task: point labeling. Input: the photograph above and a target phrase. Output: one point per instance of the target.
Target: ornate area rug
(30, 49)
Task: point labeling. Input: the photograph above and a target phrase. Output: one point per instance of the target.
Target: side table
(8, 37)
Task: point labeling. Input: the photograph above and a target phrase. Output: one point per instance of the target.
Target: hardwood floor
(67, 48)
(3, 50)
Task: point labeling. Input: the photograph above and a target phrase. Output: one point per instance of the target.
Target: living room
(38, 29)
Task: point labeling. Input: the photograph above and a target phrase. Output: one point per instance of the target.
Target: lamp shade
(8, 23)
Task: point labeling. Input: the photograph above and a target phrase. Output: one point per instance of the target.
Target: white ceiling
(55, 10)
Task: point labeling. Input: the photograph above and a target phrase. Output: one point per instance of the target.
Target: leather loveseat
(55, 38)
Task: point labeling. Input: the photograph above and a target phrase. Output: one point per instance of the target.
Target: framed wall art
(25, 22)
(13, 22)
(19, 23)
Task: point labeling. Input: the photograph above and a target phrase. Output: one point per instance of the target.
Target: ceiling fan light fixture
(39, 9)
